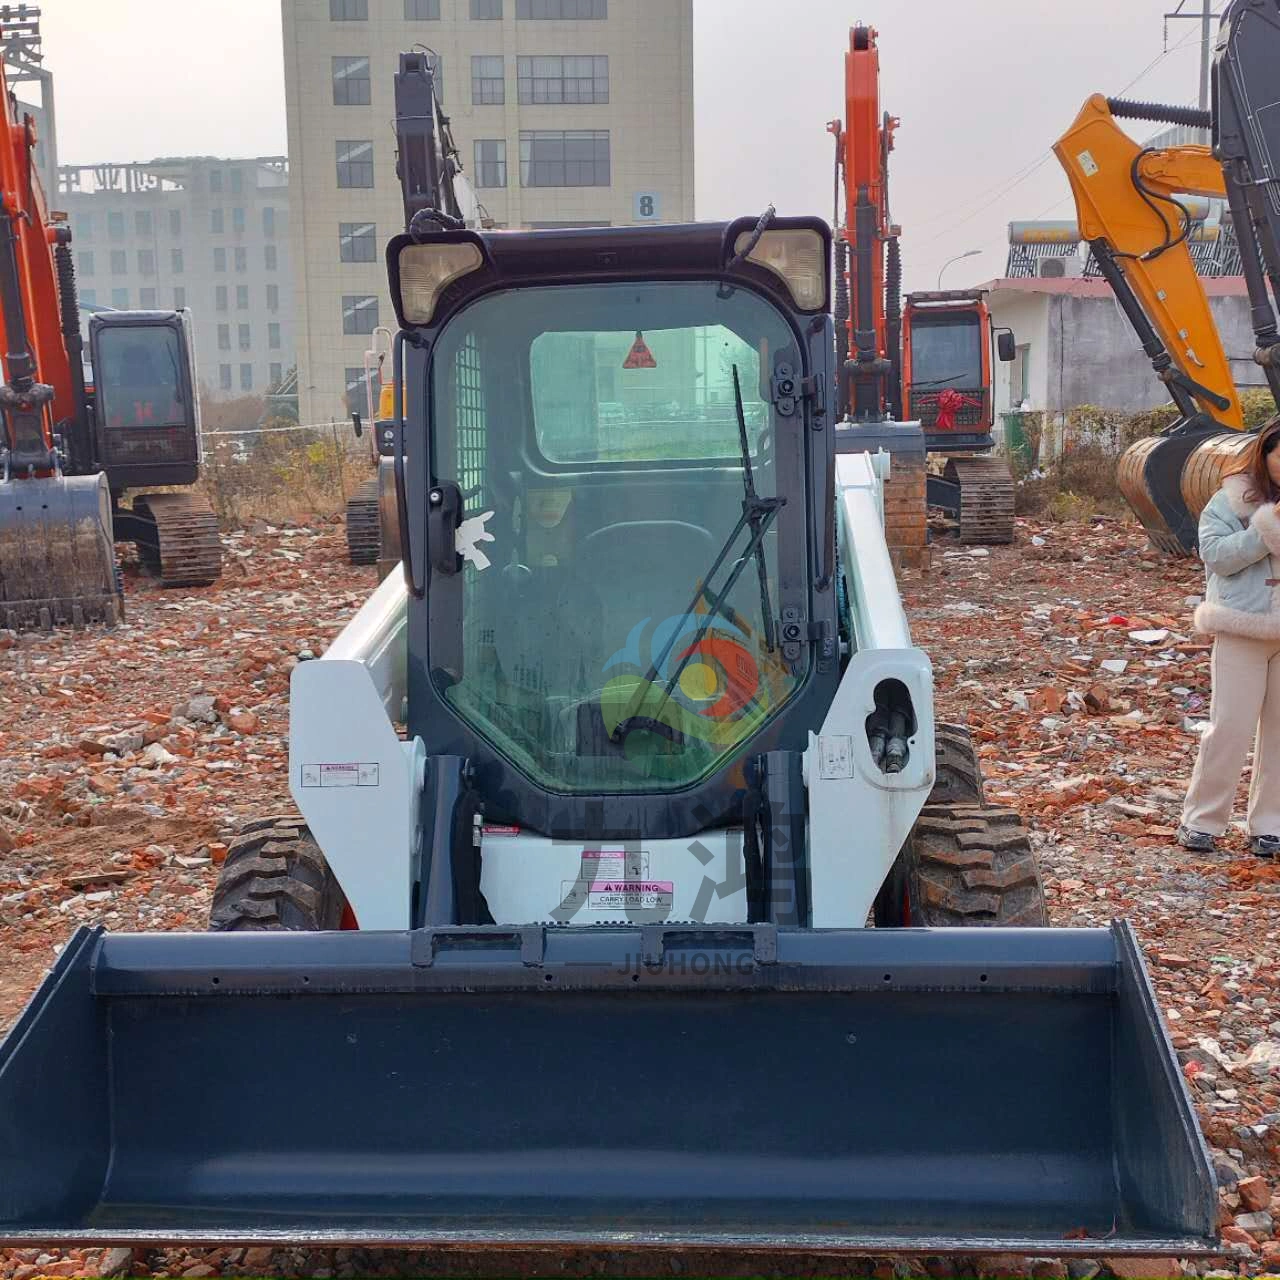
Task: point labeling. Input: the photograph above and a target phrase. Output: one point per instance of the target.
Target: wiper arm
(758, 514)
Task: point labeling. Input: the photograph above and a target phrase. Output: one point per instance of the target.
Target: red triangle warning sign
(639, 357)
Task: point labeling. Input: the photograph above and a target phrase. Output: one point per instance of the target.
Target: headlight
(427, 269)
(796, 257)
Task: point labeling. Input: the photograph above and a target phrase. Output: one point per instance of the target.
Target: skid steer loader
(568, 942)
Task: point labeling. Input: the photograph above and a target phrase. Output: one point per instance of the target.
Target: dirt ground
(129, 758)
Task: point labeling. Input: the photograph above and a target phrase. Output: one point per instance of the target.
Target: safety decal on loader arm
(340, 775)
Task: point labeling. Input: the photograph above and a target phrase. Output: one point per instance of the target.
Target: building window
(147, 299)
(242, 297)
(244, 337)
(179, 298)
(175, 261)
(142, 222)
(277, 374)
(119, 262)
(270, 258)
(221, 296)
(273, 336)
(224, 337)
(215, 179)
(355, 163)
(422, 10)
(357, 400)
(491, 162)
(269, 221)
(224, 377)
(488, 87)
(564, 158)
(357, 242)
(348, 10)
(120, 299)
(84, 262)
(273, 297)
(484, 10)
(83, 224)
(175, 222)
(115, 226)
(359, 313)
(219, 259)
(556, 9)
(146, 262)
(246, 377)
(237, 182)
(89, 297)
(351, 86)
(215, 221)
(237, 220)
(563, 79)
(242, 259)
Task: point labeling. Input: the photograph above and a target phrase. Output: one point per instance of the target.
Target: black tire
(964, 866)
(958, 775)
(275, 877)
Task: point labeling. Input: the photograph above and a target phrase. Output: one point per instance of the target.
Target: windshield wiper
(758, 515)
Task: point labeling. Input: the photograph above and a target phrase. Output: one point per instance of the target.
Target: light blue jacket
(1240, 547)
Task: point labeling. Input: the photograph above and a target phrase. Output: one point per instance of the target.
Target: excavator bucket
(57, 556)
(921, 1091)
(1151, 476)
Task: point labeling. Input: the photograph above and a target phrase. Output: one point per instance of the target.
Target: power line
(1028, 171)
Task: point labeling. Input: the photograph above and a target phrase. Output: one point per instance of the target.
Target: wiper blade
(758, 515)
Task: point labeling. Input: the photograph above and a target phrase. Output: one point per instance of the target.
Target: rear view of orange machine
(913, 383)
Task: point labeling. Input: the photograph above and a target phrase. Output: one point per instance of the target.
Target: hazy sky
(982, 88)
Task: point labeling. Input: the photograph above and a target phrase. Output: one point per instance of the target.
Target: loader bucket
(57, 555)
(923, 1091)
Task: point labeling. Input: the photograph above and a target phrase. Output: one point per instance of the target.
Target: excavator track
(986, 498)
(363, 540)
(186, 550)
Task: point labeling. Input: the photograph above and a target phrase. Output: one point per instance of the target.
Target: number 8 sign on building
(648, 206)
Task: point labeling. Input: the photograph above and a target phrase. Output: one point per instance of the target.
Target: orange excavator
(930, 367)
(70, 448)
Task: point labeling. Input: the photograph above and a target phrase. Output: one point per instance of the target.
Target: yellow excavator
(1131, 210)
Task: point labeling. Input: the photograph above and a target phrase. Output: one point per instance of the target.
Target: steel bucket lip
(859, 1243)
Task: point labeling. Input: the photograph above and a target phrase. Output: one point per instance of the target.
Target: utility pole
(1205, 18)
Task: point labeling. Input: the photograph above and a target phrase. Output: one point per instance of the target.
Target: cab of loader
(146, 412)
(645, 454)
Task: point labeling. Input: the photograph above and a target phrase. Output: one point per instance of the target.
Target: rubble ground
(129, 758)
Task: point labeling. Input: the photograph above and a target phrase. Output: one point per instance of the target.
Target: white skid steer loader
(569, 942)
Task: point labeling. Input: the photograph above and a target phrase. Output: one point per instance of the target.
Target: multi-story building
(566, 113)
(208, 234)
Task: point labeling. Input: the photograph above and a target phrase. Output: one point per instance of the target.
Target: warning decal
(340, 775)
(639, 357)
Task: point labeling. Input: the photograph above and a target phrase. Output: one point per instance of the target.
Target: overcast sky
(982, 89)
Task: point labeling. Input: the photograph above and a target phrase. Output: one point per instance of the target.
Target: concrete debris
(120, 803)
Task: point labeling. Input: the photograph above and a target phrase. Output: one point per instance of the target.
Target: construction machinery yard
(170, 733)
(665, 849)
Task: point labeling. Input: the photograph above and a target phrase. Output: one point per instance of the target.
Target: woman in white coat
(1240, 547)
